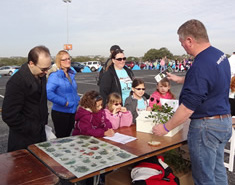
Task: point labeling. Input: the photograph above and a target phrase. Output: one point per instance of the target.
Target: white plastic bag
(49, 134)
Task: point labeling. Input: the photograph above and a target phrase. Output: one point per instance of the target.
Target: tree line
(150, 55)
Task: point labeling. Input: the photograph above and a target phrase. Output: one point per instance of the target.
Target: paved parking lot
(86, 82)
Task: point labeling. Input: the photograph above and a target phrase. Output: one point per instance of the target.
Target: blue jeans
(206, 142)
(162, 68)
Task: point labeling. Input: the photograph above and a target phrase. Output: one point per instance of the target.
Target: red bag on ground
(153, 171)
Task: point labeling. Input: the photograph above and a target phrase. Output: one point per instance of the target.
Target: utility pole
(67, 46)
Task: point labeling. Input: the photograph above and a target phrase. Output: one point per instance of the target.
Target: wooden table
(22, 168)
(137, 147)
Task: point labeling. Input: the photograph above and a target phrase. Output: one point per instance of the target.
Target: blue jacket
(60, 90)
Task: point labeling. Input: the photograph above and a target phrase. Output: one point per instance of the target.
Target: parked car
(130, 64)
(77, 66)
(8, 70)
(93, 65)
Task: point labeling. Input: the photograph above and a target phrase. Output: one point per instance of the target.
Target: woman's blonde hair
(112, 99)
(89, 100)
(59, 56)
(165, 82)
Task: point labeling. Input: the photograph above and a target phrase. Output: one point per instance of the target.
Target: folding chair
(231, 152)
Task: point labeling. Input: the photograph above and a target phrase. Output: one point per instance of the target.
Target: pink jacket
(155, 98)
(119, 120)
(91, 124)
(162, 62)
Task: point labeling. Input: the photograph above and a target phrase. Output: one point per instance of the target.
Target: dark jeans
(63, 123)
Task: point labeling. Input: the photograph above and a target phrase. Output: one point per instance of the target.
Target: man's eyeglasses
(44, 69)
(116, 104)
(65, 59)
(120, 59)
(138, 89)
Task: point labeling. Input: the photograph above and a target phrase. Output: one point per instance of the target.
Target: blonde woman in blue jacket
(62, 92)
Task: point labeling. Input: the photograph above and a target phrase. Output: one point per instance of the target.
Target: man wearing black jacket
(24, 107)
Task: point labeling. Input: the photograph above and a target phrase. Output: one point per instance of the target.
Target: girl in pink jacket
(90, 118)
(162, 91)
(118, 116)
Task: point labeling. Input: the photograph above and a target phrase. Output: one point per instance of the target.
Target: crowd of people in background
(161, 64)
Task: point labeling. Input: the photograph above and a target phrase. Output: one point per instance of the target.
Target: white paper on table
(121, 138)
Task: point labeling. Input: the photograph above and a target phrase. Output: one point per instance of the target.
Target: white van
(93, 65)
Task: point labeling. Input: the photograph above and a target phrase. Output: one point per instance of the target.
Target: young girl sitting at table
(136, 101)
(90, 118)
(162, 91)
(118, 116)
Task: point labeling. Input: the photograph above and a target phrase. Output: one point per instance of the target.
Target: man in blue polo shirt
(203, 99)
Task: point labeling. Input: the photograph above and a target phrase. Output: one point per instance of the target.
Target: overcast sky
(95, 25)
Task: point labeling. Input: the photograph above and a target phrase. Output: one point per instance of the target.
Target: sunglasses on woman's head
(118, 50)
(120, 59)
